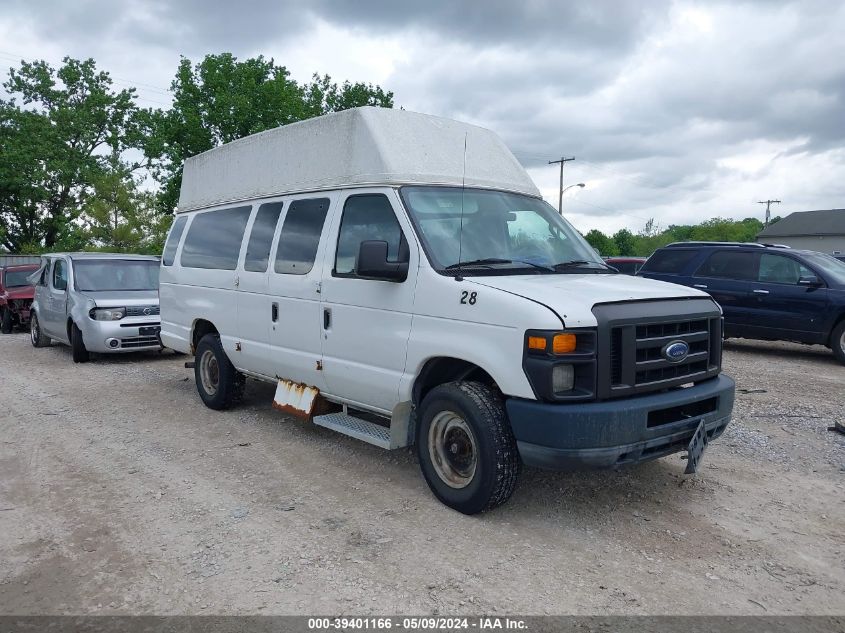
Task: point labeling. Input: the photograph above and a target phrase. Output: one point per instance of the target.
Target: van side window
(214, 239)
(261, 237)
(172, 243)
(59, 275)
(365, 217)
(300, 236)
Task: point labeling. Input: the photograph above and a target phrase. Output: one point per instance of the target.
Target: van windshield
(497, 233)
(102, 275)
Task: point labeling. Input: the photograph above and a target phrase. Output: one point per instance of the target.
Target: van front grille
(633, 341)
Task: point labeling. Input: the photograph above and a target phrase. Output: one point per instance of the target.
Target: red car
(16, 296)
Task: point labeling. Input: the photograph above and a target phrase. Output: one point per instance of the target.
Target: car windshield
(479, 231)
(17, 278)
(831, 267)
(100, 275)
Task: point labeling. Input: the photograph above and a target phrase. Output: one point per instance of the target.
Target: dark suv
(766, 292)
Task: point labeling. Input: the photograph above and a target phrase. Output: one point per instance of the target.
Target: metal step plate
(355, 427)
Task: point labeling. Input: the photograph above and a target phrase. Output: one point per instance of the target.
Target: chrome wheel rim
(209, 372)
(33, 330)
(842, 342)
(453, 450)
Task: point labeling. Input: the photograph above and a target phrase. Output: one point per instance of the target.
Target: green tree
(624, 240)
(52, 148)
(221, 99)
(602, 243)
(121, 217)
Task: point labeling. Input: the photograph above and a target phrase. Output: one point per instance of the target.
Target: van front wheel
(467, 451)
(219, 384)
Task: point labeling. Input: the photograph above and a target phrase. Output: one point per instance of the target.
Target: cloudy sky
(679, 111)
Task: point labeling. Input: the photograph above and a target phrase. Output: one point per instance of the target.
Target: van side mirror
(809, 280)
(373, 264)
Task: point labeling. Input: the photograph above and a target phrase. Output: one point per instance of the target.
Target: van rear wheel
(219, 384)
(467, 451)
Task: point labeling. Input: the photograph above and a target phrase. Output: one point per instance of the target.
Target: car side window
(60, 275)
(741, 266)
(366, 217)
(777, 269)
(669, 260)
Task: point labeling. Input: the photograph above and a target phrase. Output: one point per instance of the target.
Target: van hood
(573, 296)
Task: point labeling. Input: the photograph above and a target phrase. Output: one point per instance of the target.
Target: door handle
(699, 286)
(327, 318)
(274, 312)
(761, 292)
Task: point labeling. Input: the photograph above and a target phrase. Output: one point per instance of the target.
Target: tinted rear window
(214, 239)
(730, 265)
(669, 260)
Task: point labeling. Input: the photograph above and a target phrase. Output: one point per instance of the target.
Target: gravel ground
(120, 493)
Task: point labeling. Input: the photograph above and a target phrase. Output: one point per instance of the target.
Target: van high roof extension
(352, 148)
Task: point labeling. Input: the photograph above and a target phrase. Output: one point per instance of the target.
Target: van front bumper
(620, 432)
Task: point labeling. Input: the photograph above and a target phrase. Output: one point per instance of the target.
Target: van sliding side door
(293, 308)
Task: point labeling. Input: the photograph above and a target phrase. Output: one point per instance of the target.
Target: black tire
(445, 449)
(36, 335)
(222, 385)
(77, 345)
(837, 341)
(6, 321)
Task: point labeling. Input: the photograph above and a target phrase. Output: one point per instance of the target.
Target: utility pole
(768, 204)
(560, 189)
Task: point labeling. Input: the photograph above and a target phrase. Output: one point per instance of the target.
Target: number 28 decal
(468, 297)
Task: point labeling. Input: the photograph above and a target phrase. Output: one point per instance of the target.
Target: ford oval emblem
(676, 351)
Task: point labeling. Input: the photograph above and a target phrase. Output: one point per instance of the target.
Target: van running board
(357, 428)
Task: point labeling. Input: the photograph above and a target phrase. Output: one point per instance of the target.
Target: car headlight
(107, 314)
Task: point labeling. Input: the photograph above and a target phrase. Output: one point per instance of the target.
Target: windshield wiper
(578, 263)
(495, 260)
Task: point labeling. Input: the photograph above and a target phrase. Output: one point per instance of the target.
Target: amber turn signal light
(562, 343)
(537, 342)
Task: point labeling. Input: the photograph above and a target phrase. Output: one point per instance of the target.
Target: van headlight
(561, 365)
(107, 314)
(563, 378)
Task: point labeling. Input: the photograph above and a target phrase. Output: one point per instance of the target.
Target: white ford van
(402, 281)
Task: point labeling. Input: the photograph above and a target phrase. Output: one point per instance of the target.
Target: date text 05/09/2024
(429, 623)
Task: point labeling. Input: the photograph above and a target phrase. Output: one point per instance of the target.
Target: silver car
(96, 302)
